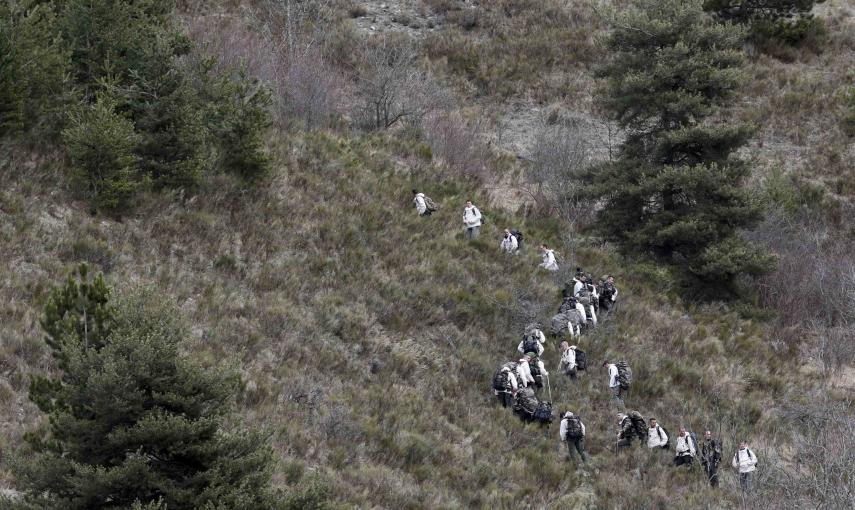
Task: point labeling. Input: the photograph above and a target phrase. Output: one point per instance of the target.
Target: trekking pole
(549, 388)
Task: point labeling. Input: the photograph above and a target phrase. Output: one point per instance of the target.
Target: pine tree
(101, 146)
(133, 422)
(674, 191)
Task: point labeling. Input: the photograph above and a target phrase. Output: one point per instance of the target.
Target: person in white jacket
(657, 437)
(567, 365)
(572, 432)
(471, 220)
(685, 451)
(421, 205)
(509, 243)
(549, 262)
(614, 381)
(746, 462)
(524, 377)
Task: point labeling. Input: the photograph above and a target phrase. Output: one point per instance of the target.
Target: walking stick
(548, 387)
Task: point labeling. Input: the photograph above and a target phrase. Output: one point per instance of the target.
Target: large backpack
(581, 359)
(694, 438)
(574, 427)
(430, 204)
(558, 325)
(531, 344)
(638, 424)
(624, 375)
(584, 296)
(519, 235)
(526, 403)
(534, 368)
(501, 380)
(543, 412)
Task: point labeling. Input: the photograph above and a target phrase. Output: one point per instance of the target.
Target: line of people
(514, 383)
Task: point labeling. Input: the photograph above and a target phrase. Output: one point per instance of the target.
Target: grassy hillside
(367, 336)
(329, 272)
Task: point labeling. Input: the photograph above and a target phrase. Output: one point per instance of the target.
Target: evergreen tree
(101, 146)
(33, 67)
(238, 117)
(781, 19)
(133, 422)
(674, 190)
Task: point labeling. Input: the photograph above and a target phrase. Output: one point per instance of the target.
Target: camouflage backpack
(638, 424)
(574, 427)
(430, 204)
(624, 375)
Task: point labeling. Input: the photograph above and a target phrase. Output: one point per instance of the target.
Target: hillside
(366, 336)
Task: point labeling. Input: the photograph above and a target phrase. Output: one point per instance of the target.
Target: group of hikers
(515, 382)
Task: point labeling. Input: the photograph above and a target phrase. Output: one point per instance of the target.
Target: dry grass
(326, 272)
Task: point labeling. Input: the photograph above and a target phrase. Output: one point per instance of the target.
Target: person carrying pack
(572, 432)
(549, 262)
(537, 370)
(523, 373)
(543, 413)
(567, 365)
(632, 426)
(711, 457)
(532, 341)
(585, 299)
(424, 205)
(685, 450)
(745, 462)
(608, 293)
(505, 384)
(526, 404)
(657, 436)
(519, 237)
(509, 243)
(615, 380)
(471, 220)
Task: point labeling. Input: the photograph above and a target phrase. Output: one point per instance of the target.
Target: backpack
(543, 412)
(638, 425)
(574, 427)
(581, 359)
(501, 380)
(624, 375)
(530, 344)
(668, 442)
(534, 368)
(558, 324)
(584, 296)
(519, 235)
(430, 204)
(526, 403)
(694, 438)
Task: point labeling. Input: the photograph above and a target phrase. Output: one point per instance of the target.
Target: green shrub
(101, 145)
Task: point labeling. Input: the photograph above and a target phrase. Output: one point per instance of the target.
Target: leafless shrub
(814, 287)
(819, 474)
(285, 55)
(391, 87)
(558, 157)
(457, 144)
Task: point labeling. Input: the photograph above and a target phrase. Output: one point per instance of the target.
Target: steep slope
(367, 336)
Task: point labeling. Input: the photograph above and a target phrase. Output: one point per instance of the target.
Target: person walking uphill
(711, 457)
(745, 461)
(614, 381)
(549, 262)
(572, 432)
(424, 205)
(685, 448)
(471, 220)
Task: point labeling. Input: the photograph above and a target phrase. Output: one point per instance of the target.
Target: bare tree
(558, 157)
(457, 144)
(391, 86)
(818, 474)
